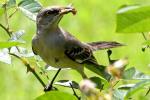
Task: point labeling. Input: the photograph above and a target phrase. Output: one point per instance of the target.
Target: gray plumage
(58, 48)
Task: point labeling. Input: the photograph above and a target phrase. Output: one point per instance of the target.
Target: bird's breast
(51, 50)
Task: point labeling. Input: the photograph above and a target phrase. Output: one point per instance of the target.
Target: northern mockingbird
(58, 48)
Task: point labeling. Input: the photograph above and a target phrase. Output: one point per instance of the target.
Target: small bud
(87, 86)
(117, 68)
(120, 63)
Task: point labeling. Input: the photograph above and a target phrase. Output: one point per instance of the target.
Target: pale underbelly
(59, 61)
(54, 55)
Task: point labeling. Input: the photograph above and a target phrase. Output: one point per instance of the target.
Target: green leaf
(9, 44)
(147, 42)
(97, 81)
(3, 1)
(11, 3)
(99, 70)
(133, 74)
(119, 94)
(5, 57)
(67, 83)
(56, 95)
(30, 8)
(137, 87)
(133, 19)
(50, 68)
(126, 87)
(1, 11)
(21, 52)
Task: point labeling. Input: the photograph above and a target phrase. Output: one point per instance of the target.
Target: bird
(60, 49)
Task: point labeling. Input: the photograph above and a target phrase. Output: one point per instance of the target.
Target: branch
(6, 29)
(25, 62)
(29, 68)
(144, 36)
(75, 94)
(147, 92)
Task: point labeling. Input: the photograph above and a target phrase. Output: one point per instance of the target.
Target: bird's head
(50, 16)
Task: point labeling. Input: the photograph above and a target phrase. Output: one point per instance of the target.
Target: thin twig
(75, 94)
(42, 70)
(115, 83)
(148, 46)
(144, 36)
(49, 86)
(147, 92)
(6, 29)
(13, 13)
(29, 68)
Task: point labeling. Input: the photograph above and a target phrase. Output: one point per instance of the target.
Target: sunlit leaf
(3, 1)
(5, 57)
(30, 8)
(50, 68)
(10, 44)
(133, 19)
(1, 11)
(137, 87)
(56, 95)
(67, 83)
(133, 74)
(21, 52)
(119, 94)
(17, 35)
(126, 87)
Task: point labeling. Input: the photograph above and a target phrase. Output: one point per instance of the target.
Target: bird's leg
(50, 85)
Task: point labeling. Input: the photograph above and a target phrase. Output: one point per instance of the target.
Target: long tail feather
(104, 45)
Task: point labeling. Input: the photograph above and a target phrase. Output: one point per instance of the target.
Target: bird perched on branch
(58, 48)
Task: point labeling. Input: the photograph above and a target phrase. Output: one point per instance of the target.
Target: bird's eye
(48, 12)
(52, 12)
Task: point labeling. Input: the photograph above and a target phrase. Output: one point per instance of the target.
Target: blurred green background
(95, 21)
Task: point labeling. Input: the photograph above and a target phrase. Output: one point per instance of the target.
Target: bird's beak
(66, 10)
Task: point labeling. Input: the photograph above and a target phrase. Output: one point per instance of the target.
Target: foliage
(126, 81)
(133, 19)
(56, 95)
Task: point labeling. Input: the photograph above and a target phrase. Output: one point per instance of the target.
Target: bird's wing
(78, 51)
(84, 55)
(80, 54)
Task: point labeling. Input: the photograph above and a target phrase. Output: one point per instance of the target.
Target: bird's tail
(99, 69)
(104, 45)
